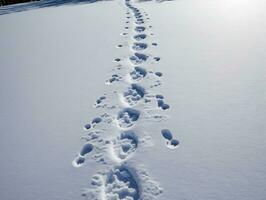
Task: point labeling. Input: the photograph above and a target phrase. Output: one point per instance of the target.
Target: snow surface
(63, 67)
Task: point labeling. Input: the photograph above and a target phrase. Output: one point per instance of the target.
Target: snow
(58, 74)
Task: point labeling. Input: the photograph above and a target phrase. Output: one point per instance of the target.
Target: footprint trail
(116, 136)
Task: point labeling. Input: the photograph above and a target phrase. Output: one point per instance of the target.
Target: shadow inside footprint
(138, 58)
(161, 104)
(138, 73)
(117, 60)
(134, 94)
(140, 29)
(139, 46)
(127, 117)
(80, 159)
(157, 59)
(87, 148)
(167, 134)
(125, 145)
(122, 184)
(171, 143)
(140, 37)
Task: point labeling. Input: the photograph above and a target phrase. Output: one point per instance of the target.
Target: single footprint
(127, 117)
(100, 100)
(162, 105)
(140, 37)
(138, 58)
(159, 74)
(80, 159)
(139, 46)
(87, 127)
(117, 59)
(121, 184)
(114, 78)
(124, 146)
(139, 22)
(96, 120)
(171, 143)
(133, 95)
(137, 14)
(139, 19)
(139, 29)
(138, 73)
(157, 58)
(166, 133)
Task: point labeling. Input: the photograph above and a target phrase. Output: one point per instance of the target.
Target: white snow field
(125, 100)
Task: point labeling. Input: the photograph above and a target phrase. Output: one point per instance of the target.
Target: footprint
(157, 83)
(154, 44)
(171, 143)
(96, 180)
(127, 117)
(96, 120)
(138, 16)
(162, 105)
(159, 74)
(121, 184)
(139, 22)
(139, 46)
(138, 58)
(119, 46)
(138, 73)
(80, 159)
(140, 29)
(166, 133)
(159, 96)
(174, 143)
(114, 78)
(100, 100)
(140, 37)
(124, 146)
(133, 95)
(117, 59)
(87, 126)
(157, 58)
(123, 34)
(86, 149)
